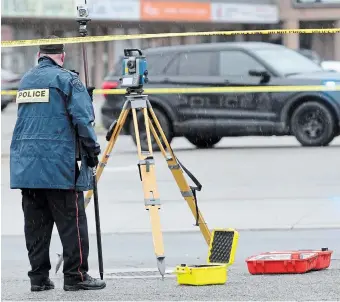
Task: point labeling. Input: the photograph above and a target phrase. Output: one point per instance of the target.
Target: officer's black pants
(42, 208)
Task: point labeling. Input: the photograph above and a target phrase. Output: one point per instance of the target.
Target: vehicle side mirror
(260, 73)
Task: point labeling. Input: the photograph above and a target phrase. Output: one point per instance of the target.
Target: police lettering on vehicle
(246, 101)
(33, 96)
(227, 101)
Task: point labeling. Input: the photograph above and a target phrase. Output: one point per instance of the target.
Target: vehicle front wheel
(165, 124)
(313, 124)
(203, 142)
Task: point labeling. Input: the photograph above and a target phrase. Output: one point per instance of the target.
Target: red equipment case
(289, 262)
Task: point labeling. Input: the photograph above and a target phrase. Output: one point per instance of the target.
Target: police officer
(54, 130)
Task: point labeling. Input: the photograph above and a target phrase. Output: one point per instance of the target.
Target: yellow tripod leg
(107, 153)
(151, 195)
(177, 173)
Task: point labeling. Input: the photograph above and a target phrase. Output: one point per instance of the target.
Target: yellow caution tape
(89, 39)
(230, 89)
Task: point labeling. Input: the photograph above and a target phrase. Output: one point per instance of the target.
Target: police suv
(313, 117)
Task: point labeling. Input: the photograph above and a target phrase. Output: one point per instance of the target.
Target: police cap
(52, 49)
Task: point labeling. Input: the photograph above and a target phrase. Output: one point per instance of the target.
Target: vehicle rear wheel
(313, 124)
(165, 124)
(203, 142)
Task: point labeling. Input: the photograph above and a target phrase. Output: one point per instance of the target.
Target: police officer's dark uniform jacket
(53, 129)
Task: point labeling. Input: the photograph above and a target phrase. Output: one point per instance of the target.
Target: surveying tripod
(146, 165)
(135, 100)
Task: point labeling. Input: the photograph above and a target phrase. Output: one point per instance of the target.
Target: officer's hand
(92, 161)
(90, 91)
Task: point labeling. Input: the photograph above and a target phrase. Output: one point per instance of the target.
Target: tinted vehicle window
(237, 63)
(289, 62)
(157, 63)
(196, 63)
(172, 68)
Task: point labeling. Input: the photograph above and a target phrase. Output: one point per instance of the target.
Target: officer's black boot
(44, 285)
(89, 283)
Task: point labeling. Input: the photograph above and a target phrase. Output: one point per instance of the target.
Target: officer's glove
(92, 161)
(90, 91)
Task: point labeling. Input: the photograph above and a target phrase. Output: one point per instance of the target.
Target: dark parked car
(312, 117)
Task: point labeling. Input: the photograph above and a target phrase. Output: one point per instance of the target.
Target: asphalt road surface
(248, 184)
(134, 251)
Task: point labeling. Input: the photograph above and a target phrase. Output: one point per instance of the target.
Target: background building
(312, 14)
(30, 19)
